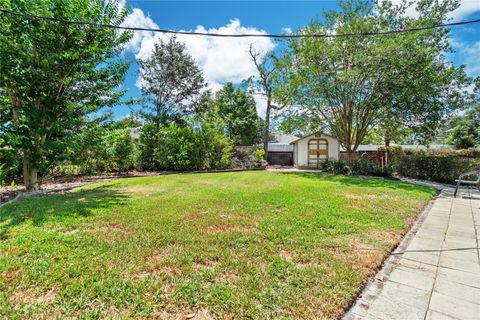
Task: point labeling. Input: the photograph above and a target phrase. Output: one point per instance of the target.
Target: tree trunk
(387, 139)
(30, 174)
(350, 157)
(266, 131)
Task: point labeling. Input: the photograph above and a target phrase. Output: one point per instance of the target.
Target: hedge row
(435, 166)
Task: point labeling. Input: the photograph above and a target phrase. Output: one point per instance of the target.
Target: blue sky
(225, 60)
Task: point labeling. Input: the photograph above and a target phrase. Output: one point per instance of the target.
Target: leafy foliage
(238, 112)
(98, 149)
(54, 75)
(198, 144)
(345, 86)
(259, 155)
(440, 167)
(335, 167)
(170, 81)
(465, 130)
(365, 167)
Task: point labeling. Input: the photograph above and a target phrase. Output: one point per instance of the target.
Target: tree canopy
(170, 81)
(348, 85)
(55, 75)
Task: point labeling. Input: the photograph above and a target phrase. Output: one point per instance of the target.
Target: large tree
(54, 74)
(347, 85)
(237, 109)
(170, 81)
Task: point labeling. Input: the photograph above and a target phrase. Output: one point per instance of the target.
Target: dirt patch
(9, 275)
(30, 296)
(224, 228)
(207, 265)
(71, 231)
(286, 255)
(228, 277)
(171, 312)
(16, 251)
(194, 216)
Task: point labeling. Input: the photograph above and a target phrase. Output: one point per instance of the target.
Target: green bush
(259, 155)
(194, 146)
(370, 168)
(95, 150)
(124, 151)
(11, 163)
(437, 167)
(335, 167)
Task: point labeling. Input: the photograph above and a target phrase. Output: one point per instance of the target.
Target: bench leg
(456, 189)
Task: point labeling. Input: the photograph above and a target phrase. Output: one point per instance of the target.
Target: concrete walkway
(435, 272)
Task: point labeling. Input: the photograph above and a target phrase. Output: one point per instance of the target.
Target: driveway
(435, 271)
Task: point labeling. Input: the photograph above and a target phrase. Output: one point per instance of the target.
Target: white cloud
(469, 53)
(138, 19)
(466, 8)
(472, 52)
(220, 59)
(287, 30)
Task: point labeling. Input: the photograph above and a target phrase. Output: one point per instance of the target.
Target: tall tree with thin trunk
(55, 75)
(170, 81)
(265, 84)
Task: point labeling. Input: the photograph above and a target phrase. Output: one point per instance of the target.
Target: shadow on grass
(58, 207)
(370, 182)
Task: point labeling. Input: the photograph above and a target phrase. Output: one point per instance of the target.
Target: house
(310, 150)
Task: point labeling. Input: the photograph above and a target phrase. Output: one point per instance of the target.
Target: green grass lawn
(224, 245)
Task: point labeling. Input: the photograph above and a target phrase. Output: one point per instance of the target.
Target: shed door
(317, 151)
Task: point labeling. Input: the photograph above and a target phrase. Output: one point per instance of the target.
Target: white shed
(310, 150)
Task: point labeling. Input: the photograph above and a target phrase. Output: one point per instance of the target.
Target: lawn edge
(375, 282)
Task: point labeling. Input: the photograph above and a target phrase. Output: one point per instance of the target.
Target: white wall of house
(301, 149)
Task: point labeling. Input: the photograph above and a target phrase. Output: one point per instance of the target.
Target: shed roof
(311, 134)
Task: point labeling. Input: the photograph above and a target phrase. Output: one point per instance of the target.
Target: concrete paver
(435, 271)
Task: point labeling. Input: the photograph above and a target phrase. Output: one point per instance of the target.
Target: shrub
(335, 167)
(65, 169)
(95, 150)
(259, 155)
(370, 168)
(124, 151)
(435, 167)
(192, 146)
(11, 162)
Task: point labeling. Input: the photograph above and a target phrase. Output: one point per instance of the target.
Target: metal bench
(474, 183)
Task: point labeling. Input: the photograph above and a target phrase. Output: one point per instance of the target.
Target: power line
(277, 36)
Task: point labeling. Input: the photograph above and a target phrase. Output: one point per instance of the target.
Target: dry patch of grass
(389, 238)
(9, 275)
(30, 295)
(360, 256)
(110, 233)
(225, 228)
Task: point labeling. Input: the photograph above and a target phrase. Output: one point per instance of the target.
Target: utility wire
(251, 35)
